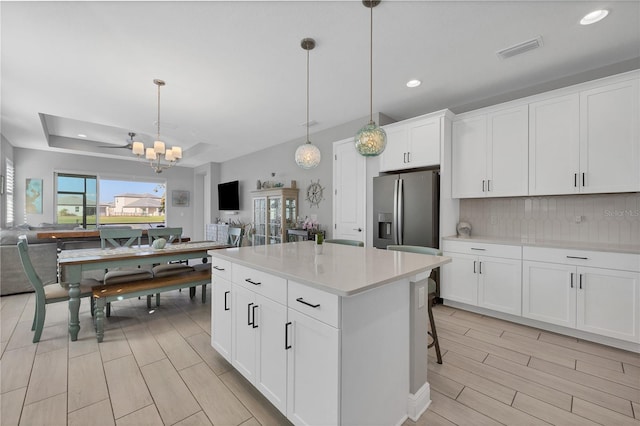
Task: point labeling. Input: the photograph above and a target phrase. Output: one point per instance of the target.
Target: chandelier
(156, 153)
(371, 140)
(308, 155)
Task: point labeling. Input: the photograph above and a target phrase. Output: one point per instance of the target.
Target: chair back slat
(115, 237)
(235, 236)
(30, 271)
(416, 249)
(169, 234)
(345, 242)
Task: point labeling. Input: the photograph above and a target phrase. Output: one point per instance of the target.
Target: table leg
(99, 318)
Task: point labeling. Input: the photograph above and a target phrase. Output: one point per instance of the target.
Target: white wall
(42, 165)
(280, 160)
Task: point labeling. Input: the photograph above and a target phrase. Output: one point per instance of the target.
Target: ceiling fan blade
(128, 146)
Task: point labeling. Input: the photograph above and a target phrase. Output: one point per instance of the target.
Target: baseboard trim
(418, 403)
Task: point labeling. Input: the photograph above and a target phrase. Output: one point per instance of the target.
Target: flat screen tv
(228, 196)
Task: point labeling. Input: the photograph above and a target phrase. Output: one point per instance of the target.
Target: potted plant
(318, 245)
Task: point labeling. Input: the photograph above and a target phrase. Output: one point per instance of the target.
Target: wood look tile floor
(160, 369)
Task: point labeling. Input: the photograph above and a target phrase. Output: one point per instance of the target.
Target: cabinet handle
(357, 229)
(488, 185)
(253, 312)
(583, 180)
(479, 249)
(408, 157)
(252, 282)
(577, 257)
(404, 157)
(479, 267)
(572, 280)
(226, 307)
(286, 336)
(217, 268)
(249, 314)
(301, 300)
(482, 185)
(580, 276)
(575, 180)
(474, 266)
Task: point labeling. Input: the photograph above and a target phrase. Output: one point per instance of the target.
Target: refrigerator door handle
(400, 211)
(395, 212)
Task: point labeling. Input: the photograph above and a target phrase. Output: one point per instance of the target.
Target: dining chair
(235, 236)
(345, 242)
(171, 235)
(47, 293)
(116, 238)
(431, 290)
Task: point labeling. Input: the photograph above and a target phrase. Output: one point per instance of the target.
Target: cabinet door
(313, 371)
(423, 148)
(549, 292)
(243, 348)
(394, 156)
(350, 187)
(508, 144)
(274, 220)
(554, 145)
(469, 157)
(500, 284)
(459, 279)
(271, 372)
(260, 220)
(610, 138)
(221, 317)
(609, 303)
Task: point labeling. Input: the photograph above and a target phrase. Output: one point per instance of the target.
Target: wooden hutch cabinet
(274, 211)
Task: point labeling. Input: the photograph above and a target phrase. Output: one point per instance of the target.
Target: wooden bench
(109, 293)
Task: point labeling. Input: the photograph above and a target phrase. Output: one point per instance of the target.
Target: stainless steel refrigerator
(405, 209)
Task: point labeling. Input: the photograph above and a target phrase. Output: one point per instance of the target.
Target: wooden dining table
(72, 263)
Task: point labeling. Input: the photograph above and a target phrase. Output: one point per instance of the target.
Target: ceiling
(235, 72)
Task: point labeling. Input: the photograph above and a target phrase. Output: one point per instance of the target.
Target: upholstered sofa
(43, 254)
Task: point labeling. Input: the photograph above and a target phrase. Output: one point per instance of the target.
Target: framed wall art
(180, 198)
(33, 196)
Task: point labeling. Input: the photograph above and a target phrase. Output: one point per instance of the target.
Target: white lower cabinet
(313, 371)
(596, 300)
(221, 316)
(258, 351)
(486, 280)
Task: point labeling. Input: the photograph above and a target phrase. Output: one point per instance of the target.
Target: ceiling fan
(129, 144)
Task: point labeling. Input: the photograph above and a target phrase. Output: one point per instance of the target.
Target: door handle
(479, 267)
(580, 276)
(575, 180)
(249, 314)
(583, 180)
(226, 306)
(357, 229)
(474, 266)
(253, 312)
(572, 280)
(286, 336)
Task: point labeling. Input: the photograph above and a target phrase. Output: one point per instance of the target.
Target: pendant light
(308, 155)
(371, 140)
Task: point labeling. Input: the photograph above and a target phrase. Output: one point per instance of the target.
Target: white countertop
(614, 248)
(340, 269)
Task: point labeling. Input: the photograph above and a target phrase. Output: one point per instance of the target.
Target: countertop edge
(603, 247)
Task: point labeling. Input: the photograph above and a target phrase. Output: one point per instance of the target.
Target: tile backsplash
(601, 218)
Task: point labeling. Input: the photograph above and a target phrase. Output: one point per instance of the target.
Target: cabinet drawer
(263, 283)
(316, 303)
(597, 259)
(483, 249)
(221, 268)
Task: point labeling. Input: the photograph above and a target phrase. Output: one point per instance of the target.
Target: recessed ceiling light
(593, 17)
(413, 83)
(82, 135)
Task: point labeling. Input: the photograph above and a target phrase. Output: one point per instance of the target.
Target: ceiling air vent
(519, 48)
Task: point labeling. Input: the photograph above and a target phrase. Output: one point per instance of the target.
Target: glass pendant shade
(308, 156)
(371, 140)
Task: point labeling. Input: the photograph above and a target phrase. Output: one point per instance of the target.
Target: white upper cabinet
(586, 142)
(554, 143)
(610, 138)
(489, 154)
(413, 143)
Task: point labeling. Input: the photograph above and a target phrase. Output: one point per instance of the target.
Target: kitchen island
(337, 338)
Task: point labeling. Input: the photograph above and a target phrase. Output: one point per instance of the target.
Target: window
(10, 186)
(121, 202)
(76, 200)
